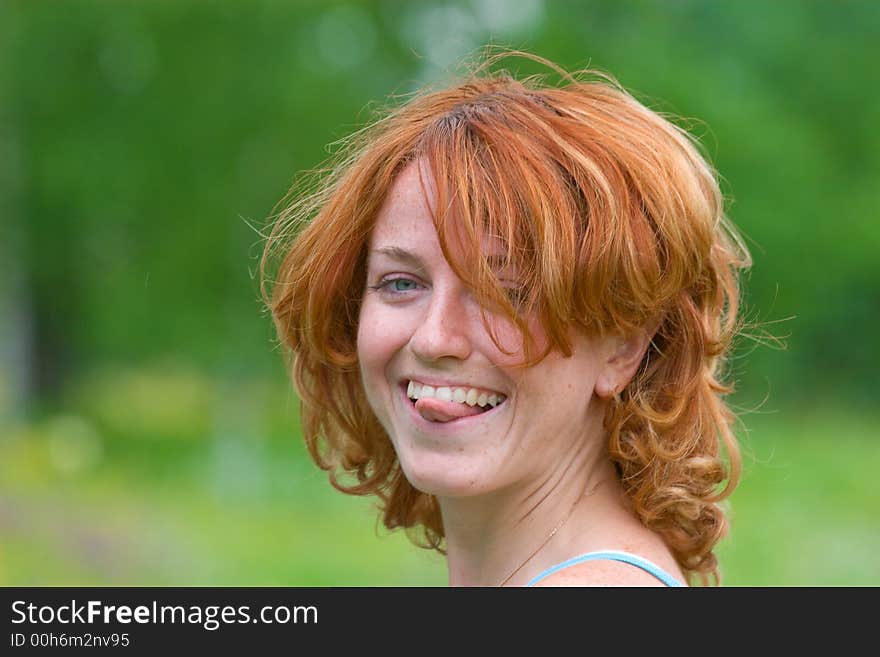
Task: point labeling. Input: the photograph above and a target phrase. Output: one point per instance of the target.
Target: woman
(507, 305)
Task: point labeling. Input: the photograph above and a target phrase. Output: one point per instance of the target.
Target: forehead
(406, 218)
(408, 206)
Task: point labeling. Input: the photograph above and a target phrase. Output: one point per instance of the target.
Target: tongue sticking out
(436, 410)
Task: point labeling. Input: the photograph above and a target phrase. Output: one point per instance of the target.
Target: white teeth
(469, 396)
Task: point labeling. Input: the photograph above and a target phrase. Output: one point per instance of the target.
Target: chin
(443, 478)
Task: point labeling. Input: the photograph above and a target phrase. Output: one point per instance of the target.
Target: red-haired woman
(507, 304)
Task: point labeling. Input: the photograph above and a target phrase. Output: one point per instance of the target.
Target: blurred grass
(95, 499)
(808, 509)
(220, 492)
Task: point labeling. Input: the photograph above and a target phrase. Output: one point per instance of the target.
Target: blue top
(615, 555)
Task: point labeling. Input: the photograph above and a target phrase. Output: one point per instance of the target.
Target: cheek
(378, 339)
(563, 386)
(513, 342)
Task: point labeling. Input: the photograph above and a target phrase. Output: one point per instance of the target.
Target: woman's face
(420, 326)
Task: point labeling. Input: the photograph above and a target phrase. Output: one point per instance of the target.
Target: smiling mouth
(448, 404)
(466, 396)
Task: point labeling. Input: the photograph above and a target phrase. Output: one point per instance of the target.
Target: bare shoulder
(601, 572)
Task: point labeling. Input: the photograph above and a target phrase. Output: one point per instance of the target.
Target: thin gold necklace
(546, 540)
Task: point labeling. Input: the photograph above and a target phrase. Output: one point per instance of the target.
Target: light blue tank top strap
(614, 555)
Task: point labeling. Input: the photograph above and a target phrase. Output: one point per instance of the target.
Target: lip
(462, 422)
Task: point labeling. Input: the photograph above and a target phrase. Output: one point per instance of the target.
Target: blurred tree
(140, 140)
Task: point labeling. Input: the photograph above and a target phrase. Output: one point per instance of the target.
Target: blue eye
(400, 284)
(394, 286)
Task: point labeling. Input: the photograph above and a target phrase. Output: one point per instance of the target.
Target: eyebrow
(400, 255)
(496, 261)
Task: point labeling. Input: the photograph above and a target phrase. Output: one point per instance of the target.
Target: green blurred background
(148, 434)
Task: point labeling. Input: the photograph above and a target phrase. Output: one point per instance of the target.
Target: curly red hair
(616, 220)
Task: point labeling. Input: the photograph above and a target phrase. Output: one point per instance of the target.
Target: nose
(443, 329)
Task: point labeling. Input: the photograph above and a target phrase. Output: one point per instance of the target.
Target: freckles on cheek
(367, 347)
(371, 364)
(377, 343)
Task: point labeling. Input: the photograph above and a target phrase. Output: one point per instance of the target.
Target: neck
(502, 535)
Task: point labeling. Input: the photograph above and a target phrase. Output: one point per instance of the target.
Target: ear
(621, 360)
